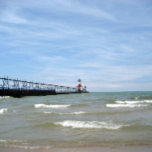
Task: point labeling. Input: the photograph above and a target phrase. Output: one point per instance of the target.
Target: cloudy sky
(106, 43)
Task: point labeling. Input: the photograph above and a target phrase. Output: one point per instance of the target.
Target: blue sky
(106, 43)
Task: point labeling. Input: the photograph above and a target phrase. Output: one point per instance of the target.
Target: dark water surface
(93, 119)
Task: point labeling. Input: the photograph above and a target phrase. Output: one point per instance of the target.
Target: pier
(20, 88)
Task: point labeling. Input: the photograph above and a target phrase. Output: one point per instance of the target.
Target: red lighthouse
(79, 86)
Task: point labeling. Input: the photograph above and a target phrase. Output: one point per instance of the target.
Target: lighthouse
(79, 86)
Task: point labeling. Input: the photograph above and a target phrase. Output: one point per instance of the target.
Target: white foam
(59, 113)
(133, 102)
(126, 102)
(129, 104)
(125, 105)
(47, 112)
(78, 113)
(3, 141)
(11, 141)
(21, 144)
(147, 101)
(4, 97)
(89, 124)
(2, 111)
(50, 106)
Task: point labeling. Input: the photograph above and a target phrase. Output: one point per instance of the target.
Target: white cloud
(11, 16)
(77, 7)
(50, 58)
(105, 45)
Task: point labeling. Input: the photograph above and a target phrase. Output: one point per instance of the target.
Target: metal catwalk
(19, 88)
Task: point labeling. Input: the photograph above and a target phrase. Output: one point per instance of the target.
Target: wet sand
(82, 149)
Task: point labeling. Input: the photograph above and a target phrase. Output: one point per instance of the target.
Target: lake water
(91, 119)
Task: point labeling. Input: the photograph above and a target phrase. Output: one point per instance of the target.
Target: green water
(93, 119)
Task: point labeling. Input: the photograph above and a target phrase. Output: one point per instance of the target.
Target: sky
(105, 43)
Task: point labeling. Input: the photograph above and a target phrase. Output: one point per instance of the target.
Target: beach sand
(84, 149)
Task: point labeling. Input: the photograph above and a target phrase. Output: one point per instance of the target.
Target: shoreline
(139, 148)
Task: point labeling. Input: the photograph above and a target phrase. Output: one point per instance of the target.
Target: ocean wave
(79, 112)
(125, 105)
(11, 141)
(134, 98)
(129, 103)
(2, 111)
(89, 124)
(50, 106)
(145, 97)
(29, 147)
(4, 97)
(79, 105)
(61, 113)
(21, 144)
(133, 102)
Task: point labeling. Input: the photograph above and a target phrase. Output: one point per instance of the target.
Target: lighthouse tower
(79, 86)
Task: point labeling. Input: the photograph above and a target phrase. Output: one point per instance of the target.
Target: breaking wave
(4, 97)
(133, 102)
(61, 113)
(50, 106)
(2, 111)
(89, 124)
(129, 104)
(125, 105)
(22, 144)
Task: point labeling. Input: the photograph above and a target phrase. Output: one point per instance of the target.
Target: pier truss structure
(18, 88)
